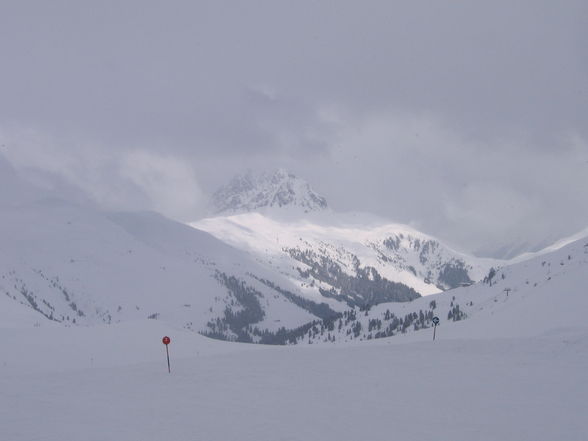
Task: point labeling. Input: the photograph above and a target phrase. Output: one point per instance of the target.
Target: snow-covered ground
(548, 289)
(528, 389)
(78, 264)
(398, 252)
(110, 382)
(512, 368)
(277, 217)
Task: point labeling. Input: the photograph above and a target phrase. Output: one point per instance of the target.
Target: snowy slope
(505, 366)
(547, 292)
(349, 259)
(580, 235)
(397, 253)
(278, 189)
(110, 382)
(76, 264)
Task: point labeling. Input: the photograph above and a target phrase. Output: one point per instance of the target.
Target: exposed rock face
(250, 192)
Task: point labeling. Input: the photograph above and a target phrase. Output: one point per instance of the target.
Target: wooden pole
(168, 366)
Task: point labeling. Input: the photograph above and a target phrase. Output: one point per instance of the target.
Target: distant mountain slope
(78, 265)
(543, 294)
(356, 259)
(279, 277)
(279, 189)
(373, 272)
(75, 264)
(323, 253)
(580, 235)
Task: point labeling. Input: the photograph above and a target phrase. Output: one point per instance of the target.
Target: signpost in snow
(435, 323)
(166, 341)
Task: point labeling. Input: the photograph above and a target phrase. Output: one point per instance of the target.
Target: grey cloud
(484, 196)
(480, 98)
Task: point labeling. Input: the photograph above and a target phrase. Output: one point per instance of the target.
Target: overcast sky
(467, 119)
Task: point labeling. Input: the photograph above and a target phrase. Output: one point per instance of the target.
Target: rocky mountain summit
(253, 192)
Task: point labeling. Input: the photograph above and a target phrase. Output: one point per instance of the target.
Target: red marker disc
(166, 340)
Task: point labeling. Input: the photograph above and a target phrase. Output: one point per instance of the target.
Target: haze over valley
(298, 221)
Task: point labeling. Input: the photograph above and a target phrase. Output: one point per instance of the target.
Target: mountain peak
(277, 189)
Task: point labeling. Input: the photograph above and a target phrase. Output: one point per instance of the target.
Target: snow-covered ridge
(280, 189)
(543, 294)
(583, 234)
(280, 221)
(308, 250)
(78, 265)
(269, 279)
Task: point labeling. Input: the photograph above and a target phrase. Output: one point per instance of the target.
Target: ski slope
(110, 382)
(515, 370)
(77, 264)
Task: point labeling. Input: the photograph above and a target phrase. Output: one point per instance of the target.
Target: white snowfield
(79, 265)
(513, 367)
(276, 216)
(548, 290)
(514, 370)
(398, 252)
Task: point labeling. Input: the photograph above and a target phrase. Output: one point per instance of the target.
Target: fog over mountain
(466, 120)
(280, 189)
(330, 220)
